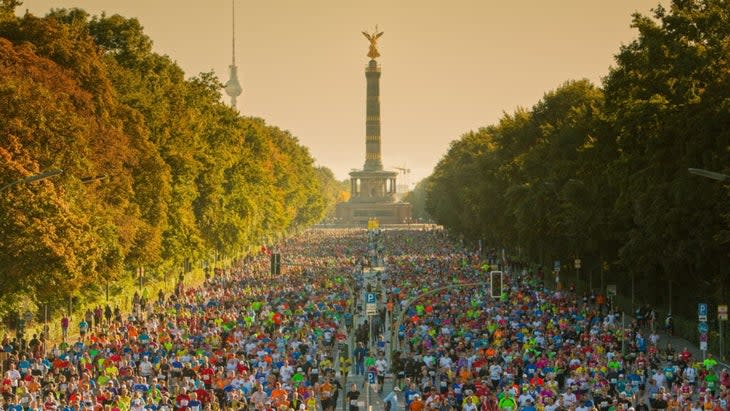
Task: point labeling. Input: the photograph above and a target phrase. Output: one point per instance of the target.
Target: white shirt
(13, 376)
(145, 369)
(522, 400)
(495, 372)
(381, 365)
(286, 372)
(469, 407)
(660, 379)
(569, 398)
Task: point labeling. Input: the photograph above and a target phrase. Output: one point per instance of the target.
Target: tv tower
(233, 87)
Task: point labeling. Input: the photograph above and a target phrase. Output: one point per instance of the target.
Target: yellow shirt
(112, 371)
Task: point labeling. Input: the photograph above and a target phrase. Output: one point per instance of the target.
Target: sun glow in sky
(448, 67)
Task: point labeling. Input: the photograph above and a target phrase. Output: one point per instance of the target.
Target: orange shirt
(326, 390)
(278, 395)
(464, 374)
(221, 383)
(417, 405)
(33, 386)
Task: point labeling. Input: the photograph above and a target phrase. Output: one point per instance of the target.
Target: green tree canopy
(601, 173)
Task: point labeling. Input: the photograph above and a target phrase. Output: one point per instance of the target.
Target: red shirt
(203, 396)
(479, 363)
(7, 385)
(207, 374)
(181, 401)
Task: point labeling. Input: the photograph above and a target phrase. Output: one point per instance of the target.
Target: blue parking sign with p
(371, 377)
(702, 309)
(371, 298)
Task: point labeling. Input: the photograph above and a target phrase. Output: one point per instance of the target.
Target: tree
(601, 174)
(185, 175)
(667, 99)
(417, 198)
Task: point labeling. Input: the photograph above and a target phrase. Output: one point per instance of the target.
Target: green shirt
(507, 403)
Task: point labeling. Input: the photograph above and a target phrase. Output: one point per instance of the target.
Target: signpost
(370, 381)
(611, 290)
(611, 294)
(495, 286)
(702, 327)
(702, 312)
(371, 308)
(721, 318)
(577, 265)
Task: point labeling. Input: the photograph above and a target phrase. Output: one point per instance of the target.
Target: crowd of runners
(531, 348)
(250, 340)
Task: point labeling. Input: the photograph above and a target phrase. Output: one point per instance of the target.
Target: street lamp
(36, 177)
(709, 174)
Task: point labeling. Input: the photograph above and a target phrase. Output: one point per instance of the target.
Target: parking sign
(702, 311)
(371, 298)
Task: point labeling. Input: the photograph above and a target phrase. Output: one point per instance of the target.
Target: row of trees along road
(600, 173)
(187, 176)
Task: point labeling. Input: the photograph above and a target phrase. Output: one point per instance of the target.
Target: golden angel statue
(373, 38)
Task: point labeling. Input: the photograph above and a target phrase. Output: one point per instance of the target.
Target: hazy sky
(448, 66)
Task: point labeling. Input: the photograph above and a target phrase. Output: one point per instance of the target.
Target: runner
(246, 338)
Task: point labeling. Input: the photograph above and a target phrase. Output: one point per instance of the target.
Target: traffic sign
(577, 263)
(371, 298)
(611, 290)
(703, 345)
(702, 311)
(703, 337)
(703, 328)
(371, 309)
(556, 265)
(371, 377)
(722, 312)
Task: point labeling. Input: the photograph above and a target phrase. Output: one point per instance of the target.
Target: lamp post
(714, 175)
(709, 174)
(35, 177)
